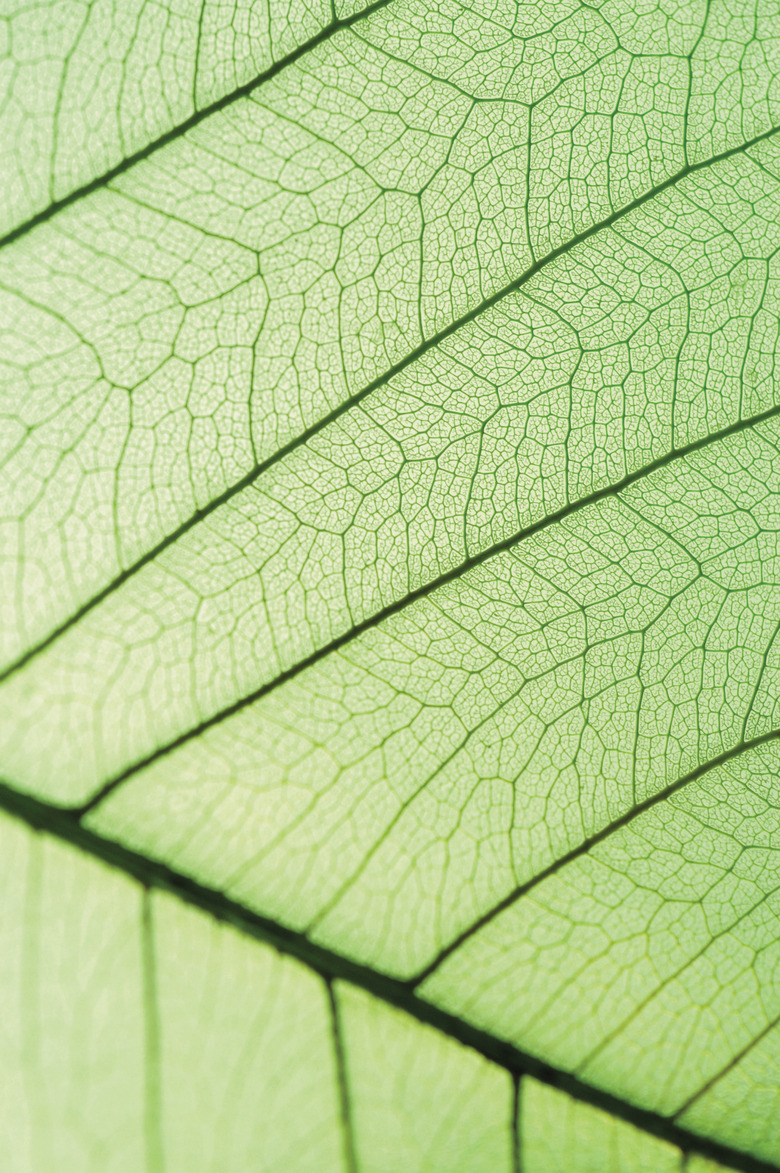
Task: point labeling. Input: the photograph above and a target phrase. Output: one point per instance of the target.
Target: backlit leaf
(389, 715)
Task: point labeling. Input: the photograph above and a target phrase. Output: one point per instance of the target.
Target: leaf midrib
(330, 965)
(424, 347)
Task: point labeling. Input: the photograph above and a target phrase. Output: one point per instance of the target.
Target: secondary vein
(584, 847)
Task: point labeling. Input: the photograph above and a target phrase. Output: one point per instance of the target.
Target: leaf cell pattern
(390, 448)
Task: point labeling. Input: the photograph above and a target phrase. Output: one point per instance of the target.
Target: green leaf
(391, 586)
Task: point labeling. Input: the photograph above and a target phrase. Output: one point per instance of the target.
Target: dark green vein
(420, 592)
(194, 119)
(584, 847)
(342, 1082)
(517, 1123)
(42, 816)
(428, 344)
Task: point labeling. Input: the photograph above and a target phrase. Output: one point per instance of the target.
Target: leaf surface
(390, 444)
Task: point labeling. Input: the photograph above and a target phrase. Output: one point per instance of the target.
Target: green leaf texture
(390, 586)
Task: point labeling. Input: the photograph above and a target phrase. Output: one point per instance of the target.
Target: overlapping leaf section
(393, 546)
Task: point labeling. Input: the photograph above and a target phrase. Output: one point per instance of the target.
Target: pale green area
(247, 1065)
(170, 330)
(561, 1135)
(86, 83)
(151, 1042)
(744, 1106)
(72, 1057)
(699, 1164)
(420, 1102)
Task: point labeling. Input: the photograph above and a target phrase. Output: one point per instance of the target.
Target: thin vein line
(194, 119)
(43, 816)
(420, 593)
(419, 351)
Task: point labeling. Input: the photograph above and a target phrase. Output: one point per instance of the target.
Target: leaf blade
(396, 503)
